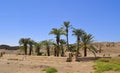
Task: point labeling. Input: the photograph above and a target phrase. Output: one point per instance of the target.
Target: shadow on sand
(87, 59)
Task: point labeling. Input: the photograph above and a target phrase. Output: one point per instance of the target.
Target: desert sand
(12, 63)
(35, 64)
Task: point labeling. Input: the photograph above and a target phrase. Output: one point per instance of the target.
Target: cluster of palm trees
(84, 41)
(26, 43)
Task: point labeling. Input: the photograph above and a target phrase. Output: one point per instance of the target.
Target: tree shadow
(87, 59)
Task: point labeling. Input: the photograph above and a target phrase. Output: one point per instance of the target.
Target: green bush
(105, 64)
(104, 60)
(110, 60)
(50, 70)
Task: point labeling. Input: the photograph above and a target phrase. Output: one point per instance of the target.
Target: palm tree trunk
(62, 54)
(25, 49)
(67, 41)
(38, 51)
(77, 51)
(85, 52)
(78, 41)
(68, 44)
(57, 50)
(48, 51)
(30, 50)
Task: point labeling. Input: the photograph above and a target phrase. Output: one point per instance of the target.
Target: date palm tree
(87, 44)
(78, 33)
(31, 43)
(62, 43)
(47, 44)
(55, 48)
(24, 42)
(57, 33)
(38, 46)
(67, 25)
(72, 48)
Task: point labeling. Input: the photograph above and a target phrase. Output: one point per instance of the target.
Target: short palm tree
(78, 33)
(87, 44)
(57, 33)
(38, 47)
(47, 44)
(67, 26)
(24, 42)
(72, 48)
(55, 48)
(30, 43)
(62, 43)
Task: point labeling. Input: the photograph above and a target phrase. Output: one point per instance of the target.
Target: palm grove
(60, 46)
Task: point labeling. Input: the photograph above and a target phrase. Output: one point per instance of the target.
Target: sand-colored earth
(11, 63)
(35, 64)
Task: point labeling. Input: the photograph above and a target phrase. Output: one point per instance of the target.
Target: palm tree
(78, 33)
(57, 33)
(87, 44)
(72, 48)
(24, 42)
(31, 43)
(38, 47)
(55, 48)
(47, 43)
(67, 25)
(62, 42)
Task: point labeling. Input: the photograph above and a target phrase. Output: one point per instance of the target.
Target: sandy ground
(34, 64)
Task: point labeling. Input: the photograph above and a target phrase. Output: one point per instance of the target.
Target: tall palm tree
(38, 47)
(78, 33)
(24, 42)
(57, 33)
(47, 44)
(87, 44)
(67, 25)
(31, 43)
(62, 42)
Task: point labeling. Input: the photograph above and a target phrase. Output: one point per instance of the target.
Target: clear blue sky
(36, 18)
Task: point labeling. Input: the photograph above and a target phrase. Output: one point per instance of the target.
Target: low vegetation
(107, 64)
(50, 70)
